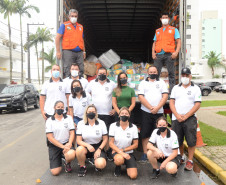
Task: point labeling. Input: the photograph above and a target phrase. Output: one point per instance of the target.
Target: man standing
(163, 49)
(53, 90)
(153, 94)
(185, 100)
(74, 75)
(72, 43)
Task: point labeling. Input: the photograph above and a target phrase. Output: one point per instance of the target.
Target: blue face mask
(55, 74)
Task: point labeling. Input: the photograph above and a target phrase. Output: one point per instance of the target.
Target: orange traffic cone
(199, 142)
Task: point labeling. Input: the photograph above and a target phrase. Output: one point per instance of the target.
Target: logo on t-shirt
(97, 132)
(66, 125)
(157, 86)
(68, 28)
(189, 92)
(60, 88)
(170, 31)
(83, 104)
(166, 145)
(106, 88)
(128, 135)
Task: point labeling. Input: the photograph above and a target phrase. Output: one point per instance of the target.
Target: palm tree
(23, 9)
(43, 35)
(51, 58)
(7, 7)
(213, 60)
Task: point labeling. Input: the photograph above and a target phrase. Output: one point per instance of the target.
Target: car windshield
(13, 90)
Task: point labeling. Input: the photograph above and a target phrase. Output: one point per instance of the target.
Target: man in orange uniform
(73, 46)
(164, 49)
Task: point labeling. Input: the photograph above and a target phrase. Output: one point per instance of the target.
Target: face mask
(76, 89)
(102, 77)
(162, 129)
(59, 111)
(56, 74)
(74, 73)
(153, 76)
(91, 115)
(124, 118)
(165, 21)
(123, 81)
(73, 20)
(185, 80)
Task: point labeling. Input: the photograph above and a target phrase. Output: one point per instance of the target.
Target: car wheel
(217, 90)
(223, 91)
(25, 106)
(36, 106)
(0, 111)
(205, 92)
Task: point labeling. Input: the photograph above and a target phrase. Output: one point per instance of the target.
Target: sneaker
(189, 165)
(98, 169)
(174, 175)
(91, 161)
(67, 167)
(82, 171)
(155, 174)
(117, 172)
(143, 158)
(109, 155)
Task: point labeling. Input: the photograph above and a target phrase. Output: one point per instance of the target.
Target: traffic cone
(199, 142)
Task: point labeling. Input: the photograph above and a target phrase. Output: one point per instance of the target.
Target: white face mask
(185, 80)
(165, 21)
(73, 20)
(74, 73)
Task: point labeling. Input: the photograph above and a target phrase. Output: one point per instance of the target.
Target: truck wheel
(36, 105)
(25, 106)
(205, 92)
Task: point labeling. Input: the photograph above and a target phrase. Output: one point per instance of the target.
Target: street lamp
(28, 52)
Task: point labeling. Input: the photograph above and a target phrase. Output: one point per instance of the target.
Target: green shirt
(124, 100)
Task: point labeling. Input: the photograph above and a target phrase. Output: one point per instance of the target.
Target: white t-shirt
(185, 98)
(54, 91)
(79, 105)
(69, 80)
(166, 144)
(152, 92)
(60, 128)
(92, 134)
(101, 95)
(123, 138)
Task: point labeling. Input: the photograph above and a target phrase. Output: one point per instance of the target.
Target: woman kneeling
(166, 151)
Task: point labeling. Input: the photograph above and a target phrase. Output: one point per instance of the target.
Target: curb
(209, 164)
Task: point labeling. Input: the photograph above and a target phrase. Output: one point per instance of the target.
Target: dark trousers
(165, 59)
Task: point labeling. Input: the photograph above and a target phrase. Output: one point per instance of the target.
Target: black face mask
(153, 76)
(124, 118)
(76, 89)
(102, 77)
(162, 129)
(123, 81)
(91, 115)
(59, 111)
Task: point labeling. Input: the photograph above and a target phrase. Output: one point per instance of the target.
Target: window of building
(188, 26)
(189, 7)
(203, 53)
(214, 28)
(188, 37)
(203, 40)
(188, 16)
(203, 46)
(203, 28)
(203, 34)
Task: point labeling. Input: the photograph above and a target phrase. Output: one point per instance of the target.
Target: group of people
(95, 120)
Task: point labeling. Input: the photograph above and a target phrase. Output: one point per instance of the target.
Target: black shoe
(109, 155)
(117, 172)
(91, 161)
(174, 175)
(155, 174)
(82, 171)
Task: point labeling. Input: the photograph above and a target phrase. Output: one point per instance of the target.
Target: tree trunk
(212, 72)
(36, 48)
(10, 53)
(22, 56)
(43, 72)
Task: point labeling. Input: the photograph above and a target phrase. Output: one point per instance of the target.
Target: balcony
(4, 53)
(4, 73)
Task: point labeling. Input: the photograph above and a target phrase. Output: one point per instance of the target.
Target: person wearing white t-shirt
(60, 134)
(53, 90)
(185, 100)
(163, 147)
(153, 94)
(123, 140)
(74, 70)
(91, 138)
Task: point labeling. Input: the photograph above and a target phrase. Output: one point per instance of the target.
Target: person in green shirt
(123, 96)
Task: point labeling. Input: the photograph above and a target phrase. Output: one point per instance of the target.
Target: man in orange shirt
(164, 49)
(73, 47)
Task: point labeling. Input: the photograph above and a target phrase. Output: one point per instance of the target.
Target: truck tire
(36, 105)
(25, 106)
(205, 92)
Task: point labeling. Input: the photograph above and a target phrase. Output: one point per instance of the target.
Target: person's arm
(173, 109)
(133, 100)
(101, 147)
(151, 147)
(84, 144)
(175, 54)
(168, 159)
(54, 141)
(84, 50)
(192, 111)
(114, 104)
(144, 101)
(153, 50)
(57, 42)
(71, 110)
(133, 146)
(161, 103)
(67, 97)
(42, 103)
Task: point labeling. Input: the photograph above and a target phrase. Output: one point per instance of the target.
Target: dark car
(218, 88)
(206, 90)
(211, 84)
(15, 97)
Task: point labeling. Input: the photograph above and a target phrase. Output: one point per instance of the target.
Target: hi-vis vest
(165, 40)
(72, 37)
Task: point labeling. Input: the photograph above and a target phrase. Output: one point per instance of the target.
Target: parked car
(223, 88)
(15, 97)
(218, 88)
(211, 84)
(206, 90)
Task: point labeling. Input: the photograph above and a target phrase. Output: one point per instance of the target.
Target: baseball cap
(186, 70)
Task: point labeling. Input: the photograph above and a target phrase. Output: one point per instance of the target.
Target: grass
(223, 113)
(212, 136)
(213, 103)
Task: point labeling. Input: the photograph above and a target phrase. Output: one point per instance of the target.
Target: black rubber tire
(205, 92)
(25, 106)
(36, 106)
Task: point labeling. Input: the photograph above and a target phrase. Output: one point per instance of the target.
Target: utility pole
(28, 52)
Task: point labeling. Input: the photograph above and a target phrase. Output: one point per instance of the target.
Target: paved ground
(215, 96)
